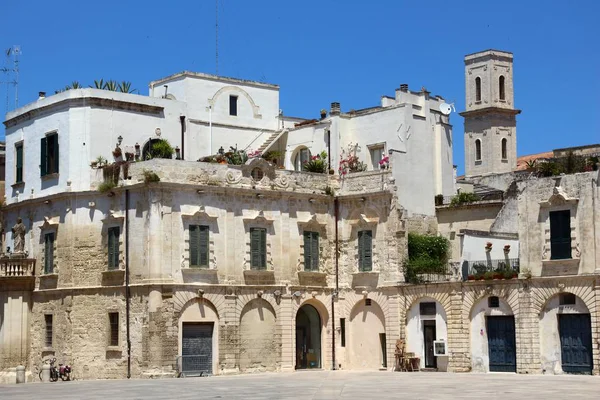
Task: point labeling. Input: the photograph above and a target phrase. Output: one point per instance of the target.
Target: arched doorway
(493, 336)
(426, 322)
(198, 338)
(308, 338)
(566, 335)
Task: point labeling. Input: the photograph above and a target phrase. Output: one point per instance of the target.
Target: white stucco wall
(480, 360)
(550, 348)
(474, 248)
(415, 341)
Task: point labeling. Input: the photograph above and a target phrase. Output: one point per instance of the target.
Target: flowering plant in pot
(384, 163)
(488, 247)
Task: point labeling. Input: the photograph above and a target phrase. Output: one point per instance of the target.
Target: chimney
(404, 87)
(335, 109)
(42, 95)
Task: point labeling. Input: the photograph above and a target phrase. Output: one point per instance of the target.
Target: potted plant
(117, 152)
(129, 156)
(439, 199)
(488, 247)
(471, 277)
(488, 276)
(323, 113)
(506, 249)
(384, 163)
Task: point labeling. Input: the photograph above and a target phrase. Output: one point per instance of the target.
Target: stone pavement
(321, 385)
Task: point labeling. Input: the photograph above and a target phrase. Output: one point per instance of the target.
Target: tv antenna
(217, 37)
(446, 108)
(11, 73)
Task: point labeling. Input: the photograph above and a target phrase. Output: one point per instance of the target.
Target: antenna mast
(12, 74)
(217, 37)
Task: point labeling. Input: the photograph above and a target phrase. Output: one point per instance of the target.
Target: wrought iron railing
(419, 274)
(480, 267)
(14, 267)
(447, 200)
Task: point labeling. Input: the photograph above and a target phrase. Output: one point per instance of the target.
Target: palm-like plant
(99, 84)
(75, 85)
(125, 87)
(111, 85)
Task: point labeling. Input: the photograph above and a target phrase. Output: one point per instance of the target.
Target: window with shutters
(258, 248)
(311, 251)
(49, 253)
(477, 89)
(49, 155)
(19, 162)
(365, 251)
(199, 246)
(233, 105)
(113, 320)
(560, 234)
(113, 247)
(48, 323)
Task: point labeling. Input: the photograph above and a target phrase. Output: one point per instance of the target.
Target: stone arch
(506, 293)
(260, 337)
(238, 90)
(182, 299)
(366, 335)
(245, 298)
(295, 153)
(541, 293)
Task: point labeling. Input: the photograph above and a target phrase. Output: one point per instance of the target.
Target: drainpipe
(210, 130)
(127, 293)
(182, 121)
(329, 148)
(336, 206)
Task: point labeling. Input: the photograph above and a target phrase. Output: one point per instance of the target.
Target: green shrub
(106, 186)
(317, 164)
(488, 276)
(463, 198)
(272, 155)
(427, 254)
(161, 148)
(150, 176)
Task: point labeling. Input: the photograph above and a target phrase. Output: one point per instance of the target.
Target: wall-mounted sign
(439, 348)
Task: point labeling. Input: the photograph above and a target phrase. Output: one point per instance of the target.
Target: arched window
(504, 152)
(478, 89)
(501, 88)
(477, 150)
(302, 156)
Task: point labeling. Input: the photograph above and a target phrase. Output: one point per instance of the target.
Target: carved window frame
(259, 221)
(559, 201)
(200, 217)
(50, 225)
(114, 219)
(312, 224)
(364, 223)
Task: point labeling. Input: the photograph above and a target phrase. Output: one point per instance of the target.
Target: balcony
(419, 274)
(17, 272)
(505, 268)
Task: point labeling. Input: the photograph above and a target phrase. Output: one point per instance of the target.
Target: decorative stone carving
(233, 178)
(559, 197)
(18, 231)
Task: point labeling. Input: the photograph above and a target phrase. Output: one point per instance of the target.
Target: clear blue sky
(318, 52)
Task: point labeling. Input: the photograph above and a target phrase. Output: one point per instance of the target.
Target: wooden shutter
(258, 248)
(55, 155)
(113, 248)
(48, 253)
(365, 250)
(560, 234)
(19, 172)
(203, 245)
(311, 251)
(194, 245)
(44, 157)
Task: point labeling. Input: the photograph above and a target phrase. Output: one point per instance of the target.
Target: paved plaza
(321, 385)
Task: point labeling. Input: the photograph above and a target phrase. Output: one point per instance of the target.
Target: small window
(257, 174)
(560, 235)
(48, 320)
(113, 319)
(377, 155)
(19, 162)
(493, 302)
(49, 253)
(566, 299)
(343, 331)
(368, 302)
(365, 251)
(113, 247)
(504, 152)
(427, 308)
(311, 251)
(199, 242)
(49, 155)
(478, 89)
(233, 105)
(477, 150)
(258, 248)
(302, 157)
(501, 88)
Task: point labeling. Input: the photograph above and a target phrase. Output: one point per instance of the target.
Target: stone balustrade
(16, 267)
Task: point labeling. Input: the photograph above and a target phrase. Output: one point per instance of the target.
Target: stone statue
(18, 232)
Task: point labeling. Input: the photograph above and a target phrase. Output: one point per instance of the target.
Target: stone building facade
(193, 267)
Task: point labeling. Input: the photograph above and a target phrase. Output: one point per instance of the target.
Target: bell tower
(490, 116)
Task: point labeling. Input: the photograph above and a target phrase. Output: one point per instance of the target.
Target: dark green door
(501, 343)
(575, 343)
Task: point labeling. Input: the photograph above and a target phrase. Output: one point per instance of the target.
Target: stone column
(458, 333)
(286, 320)
(154, 232)
(596, 328)
(230, 335)
(527, 333)
(392, 329)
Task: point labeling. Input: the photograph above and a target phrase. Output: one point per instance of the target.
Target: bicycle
(63, 371)
(53, 370)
